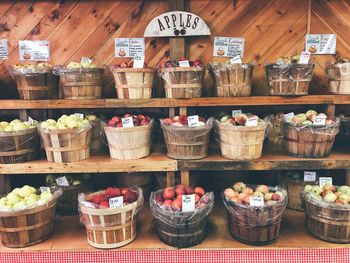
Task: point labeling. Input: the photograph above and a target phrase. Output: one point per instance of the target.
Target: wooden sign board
(177, 24)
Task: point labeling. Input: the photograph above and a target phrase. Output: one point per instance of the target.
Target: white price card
(256, 201)
(45, 189)
(62, 181)
(321, 43)
(34, 50)
(4, 49)
(188, 203)
(236, 60)
(80, 115)
(30, 120)
(252, 121)
(228, 47)
(320, 120)
(85, 60)
(325, 180)
(304, 57)
(289, 116)
(129, 47)
(309, 176)
(193, 121)
(236, 112)
(116, 201)
(139, 61)
(127, 122)
(184, 63)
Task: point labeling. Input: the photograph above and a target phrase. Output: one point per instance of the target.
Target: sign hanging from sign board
(177, 24)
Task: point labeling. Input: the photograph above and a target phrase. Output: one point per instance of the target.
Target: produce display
(100, 200)
(72, 121)
(72, 179)
(17, 125)
(275, 133)
(31, 68)
(309, 118)
(240, 120)
(23, 198)
(182, 121)
(137, 120)
(338, 73)
(329, 193)
(174, 64)
(128, 64)
(73, 65)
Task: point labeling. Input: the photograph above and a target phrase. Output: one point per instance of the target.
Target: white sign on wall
(228, 47)
(34, 50)
(3, 49)
(177, 24)
(321, 43)
(129, 47)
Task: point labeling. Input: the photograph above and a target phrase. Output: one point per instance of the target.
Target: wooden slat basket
(183, 82)
(187, 142)
(181, 229)
(327, 221)
(255, 225)
(290, 79)
(111, 227)
(69, 145)
(81, 83)
(241, 142)
(339, 78)
(129, 143)
(309, 141)
(232, 80)
(133, 83)
(28, 227)
(19, 146)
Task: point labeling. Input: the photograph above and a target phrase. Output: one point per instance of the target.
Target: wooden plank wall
(88, 28)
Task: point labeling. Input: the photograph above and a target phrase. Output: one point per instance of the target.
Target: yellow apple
(12, 199)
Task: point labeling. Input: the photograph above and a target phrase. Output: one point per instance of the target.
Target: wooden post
(170, 179)
(185, 178)
(177, 44)
(330, 110)
(23, 115)
(347, 177)
(183, 111)
(5, 184)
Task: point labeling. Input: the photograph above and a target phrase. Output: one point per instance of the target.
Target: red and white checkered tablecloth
(184, 256)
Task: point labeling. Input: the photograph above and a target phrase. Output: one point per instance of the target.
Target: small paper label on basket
(30, 121)
(116, 202)
(4, 49)
(80, 115)
(309, 176)
(236, 60)
(288, 117)
(236, 112)
(85, 60)
(325, 180)
(45, 189)
(252, 121)
(138, 61)
(320, 120)
(304, 57)
(62, 181)
(193, 121)
(184, 64)
(127, 122)
(256, 201)
(34, 50)
(188, 203)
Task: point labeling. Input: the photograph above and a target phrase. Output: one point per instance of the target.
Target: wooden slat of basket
(18, 152)
(56, 144)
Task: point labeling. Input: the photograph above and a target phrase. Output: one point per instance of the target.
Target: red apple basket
(314, 141)
(327, 221)
(129, 143)
(109, 227)
(181, 229)
(255, 225)
(182, 82)
(30, 226)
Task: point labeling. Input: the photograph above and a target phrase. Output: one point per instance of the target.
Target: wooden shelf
(293, 235)
(165, 103)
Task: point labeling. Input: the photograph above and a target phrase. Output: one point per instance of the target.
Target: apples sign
(177, 24)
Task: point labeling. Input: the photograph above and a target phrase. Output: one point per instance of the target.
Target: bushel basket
(339, 78)
(133, 83)
(110, 227)
(19, 146)
(289, 79)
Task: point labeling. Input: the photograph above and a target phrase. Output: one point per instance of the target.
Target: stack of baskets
(339, 77)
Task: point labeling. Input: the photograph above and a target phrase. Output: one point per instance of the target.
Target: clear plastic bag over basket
(181, 229)
(182, 82)
(256, 225)
(327, 221)
(232, 80)
(289, 79)
(274, 134)
(185, 142)
(339, 77)
(309, 140)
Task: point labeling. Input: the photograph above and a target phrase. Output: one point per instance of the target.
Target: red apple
(130, 196)
(167, 202)
(127, 115)
(168, 193)
(197, 198)
(241, 119)
(188, 190)
(177, 204)
(104, 204)
(180, 190)
(276, 197)
(159, 198)
(176, 119)
(111, 123)
(116, 119)
(229, 193)
(124, 191)
(167, 121)
(199, 190)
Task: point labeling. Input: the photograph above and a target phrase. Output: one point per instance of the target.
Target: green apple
(316, 190)
(15, 121)
(4, 124)
(50, 179)
(308, 188)
(47, 196)
(76, 182)
(62, 126)
(20, 206)
(330, 197)
(26, 191)
(91, 117)
(12, 199)
(19, 126)
(9, 129)
(72, 124)
(3, 201)
(344, 189)
(345, 197)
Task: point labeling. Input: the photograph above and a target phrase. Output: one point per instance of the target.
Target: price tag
(193, 121)
(127, 122)
(304, 57)
(325, 180)
(184, 64)
(34, 50)
(289, 116)
(188, 203)
(236, 60)
(45, 189)
(256, 201)
(309, 176)
(252, 121)
(62, 181)
(116, 202)
(4, 49)
(80, 115)
(30, 121)
(85, 60)
(320, 120)
(236, 112)
(138, 61)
